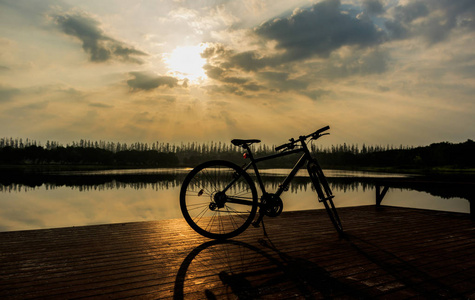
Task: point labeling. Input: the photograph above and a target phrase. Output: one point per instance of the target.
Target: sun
(186, 62)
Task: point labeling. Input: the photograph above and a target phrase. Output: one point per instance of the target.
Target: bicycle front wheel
(218, 199)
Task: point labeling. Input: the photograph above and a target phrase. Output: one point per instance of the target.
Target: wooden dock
(389, 253)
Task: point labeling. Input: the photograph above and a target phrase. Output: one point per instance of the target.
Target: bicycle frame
(284, 185)
(306, 157)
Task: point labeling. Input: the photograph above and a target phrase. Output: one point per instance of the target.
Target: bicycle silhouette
(219, 199)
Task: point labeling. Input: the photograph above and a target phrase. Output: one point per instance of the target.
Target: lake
(114, 196)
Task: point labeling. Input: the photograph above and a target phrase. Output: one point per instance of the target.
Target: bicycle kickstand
(260, 220)
(264, 228)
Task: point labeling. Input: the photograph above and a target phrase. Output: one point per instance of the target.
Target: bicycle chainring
(271, 205)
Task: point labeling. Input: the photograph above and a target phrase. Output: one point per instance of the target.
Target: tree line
(210, 146)
(160, 154)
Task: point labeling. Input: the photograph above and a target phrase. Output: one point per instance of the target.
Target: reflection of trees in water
(173, 181)
(300, 184)
(154, 182)
(92, 182)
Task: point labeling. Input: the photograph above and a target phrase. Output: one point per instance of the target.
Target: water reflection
(87, 182)
(112, 185)
(158, 179)
(83, 198)
(94, 181)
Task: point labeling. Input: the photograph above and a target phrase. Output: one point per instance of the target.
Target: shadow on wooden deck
(388, 253)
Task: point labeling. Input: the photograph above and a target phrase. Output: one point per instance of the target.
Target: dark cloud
(213, 71)
(251, 61)
(397, 30)
(220, 74)
(224, 89)
(314, 43)
(373, 7)
(432, 20)
(95, 43)
(235, 80)
(411, 11)
(281, 82)
(319, 31)
(315, 94)
(274, 76)
(147, 81)
(100, 105)
(6, 94)
(359, 63)
(215, 50)
(252, 87)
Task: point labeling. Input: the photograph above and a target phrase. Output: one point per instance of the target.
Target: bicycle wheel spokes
(218, 199)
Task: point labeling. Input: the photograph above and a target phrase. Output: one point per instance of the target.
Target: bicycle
(219, 200)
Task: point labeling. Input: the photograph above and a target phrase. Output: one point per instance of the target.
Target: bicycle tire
(324, 193)
(208, 210)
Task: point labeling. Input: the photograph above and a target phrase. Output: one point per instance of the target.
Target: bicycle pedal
(256, 224)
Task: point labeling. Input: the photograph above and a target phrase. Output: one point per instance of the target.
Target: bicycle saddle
(239, 142)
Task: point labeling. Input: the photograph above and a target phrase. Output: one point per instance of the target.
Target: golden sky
(377, 71)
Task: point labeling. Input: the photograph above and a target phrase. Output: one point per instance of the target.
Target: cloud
(148, 81)
(100, 105)
(251, 61)
(281, 81)
(7, 94)
(224, 89)
(432, 20)
(95, 43)
(329, 41)
(350, 63)
(315, 94)
(219, 74)
(373, 7)
(283, 47)
(319, 31)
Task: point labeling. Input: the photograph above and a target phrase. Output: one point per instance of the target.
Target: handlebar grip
(322, 129)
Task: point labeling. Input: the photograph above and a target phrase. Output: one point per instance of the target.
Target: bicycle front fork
(324, 194)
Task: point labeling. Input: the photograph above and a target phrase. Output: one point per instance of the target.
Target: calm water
(101, 197)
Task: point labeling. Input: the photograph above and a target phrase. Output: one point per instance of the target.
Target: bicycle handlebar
(315, 135)
(320, 131)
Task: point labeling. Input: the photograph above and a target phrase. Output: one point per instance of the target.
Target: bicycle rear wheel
(218, 199)
(324, 193)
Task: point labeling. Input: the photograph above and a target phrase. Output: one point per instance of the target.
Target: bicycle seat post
(248, 151)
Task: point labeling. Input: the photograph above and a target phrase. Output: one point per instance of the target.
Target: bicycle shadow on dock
(221, 269)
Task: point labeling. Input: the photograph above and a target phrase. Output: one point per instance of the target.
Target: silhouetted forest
(28, 152)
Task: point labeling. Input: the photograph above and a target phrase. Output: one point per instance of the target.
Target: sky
(380, 72)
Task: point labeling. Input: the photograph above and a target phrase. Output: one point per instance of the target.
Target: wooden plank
(388, 252)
